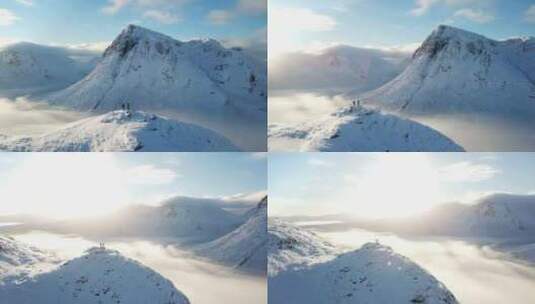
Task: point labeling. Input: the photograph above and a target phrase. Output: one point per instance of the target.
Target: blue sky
(383, 185)
(388, 23)
(46, 182)
(81, 21)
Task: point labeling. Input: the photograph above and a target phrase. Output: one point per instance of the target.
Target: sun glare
(62, 186)
(394, 185)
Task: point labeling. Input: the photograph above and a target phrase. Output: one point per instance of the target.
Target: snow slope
(337, 68)
(246, 246)
(154, 71)
(18, 260)
(26, 65)
(365, 130)
(290, 247)
(122, 131)
(99, 276)
(455, 71)
(371, 274)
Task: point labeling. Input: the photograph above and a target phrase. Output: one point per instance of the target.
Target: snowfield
(244, 248)
(154, 71)
(98, 276)
(455, 71)
(121, 131)
(371, 274)
(361, 129)
(18, 260)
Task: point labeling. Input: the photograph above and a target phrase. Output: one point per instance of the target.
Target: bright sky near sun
(97, 22)
(86, 184)
(380, 185)
(315, 24)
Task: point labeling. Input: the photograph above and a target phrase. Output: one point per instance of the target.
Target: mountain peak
(130, 37)
(445, 36)
(447, 31)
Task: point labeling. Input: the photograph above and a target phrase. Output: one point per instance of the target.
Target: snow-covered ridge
(455, 71)
(99, 276)
(122, 131)
(246, 246)
(151, 70)
(372, 274)
(361, 129)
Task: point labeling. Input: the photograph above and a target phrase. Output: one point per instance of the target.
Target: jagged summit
(135, 35)
(446, 37)
(456, 71)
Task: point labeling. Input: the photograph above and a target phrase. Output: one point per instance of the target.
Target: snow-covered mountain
(361, 129)
(290, 247)
(246, 246)
(189, 219)
(99, 276)
(337, 68)
(153, 71)
(122, 131)
(497, 216)
(26, 65)
(371, 274)
(455, 71)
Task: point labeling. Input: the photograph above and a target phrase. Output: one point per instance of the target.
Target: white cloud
(467, 172)
(478, 16)
(301, 19)
(529, 15)
(219, 17)
(286, 25)
(161, 16)
(164, 11)
(114, 6)
(7, 17)
(150, 175)
(252, 7)
(25, 2)
(93, 47)
(423, 6)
